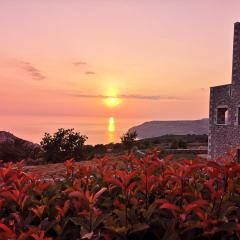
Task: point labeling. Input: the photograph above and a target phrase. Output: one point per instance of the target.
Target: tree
(63, 145)
(128, 139)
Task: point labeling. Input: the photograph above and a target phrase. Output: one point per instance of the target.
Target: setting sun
(112, 101)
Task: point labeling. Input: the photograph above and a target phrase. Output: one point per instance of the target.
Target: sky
(61, 58)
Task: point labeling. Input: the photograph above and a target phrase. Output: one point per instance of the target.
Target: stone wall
(236, 55)
(223, 138)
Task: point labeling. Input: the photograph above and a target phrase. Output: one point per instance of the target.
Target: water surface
(99, 130)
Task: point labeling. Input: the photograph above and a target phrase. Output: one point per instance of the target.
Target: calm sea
(98, 130)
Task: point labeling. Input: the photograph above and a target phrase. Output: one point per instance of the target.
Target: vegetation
(165, 141)
(62, 145)
(18, 149)
(145, 198)
(128, 139)
(178, 144)
(57, 147)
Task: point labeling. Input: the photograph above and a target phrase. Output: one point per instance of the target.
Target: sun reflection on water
(111, 130)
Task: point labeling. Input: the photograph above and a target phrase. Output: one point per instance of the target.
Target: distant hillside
(160, 128)
(13, 148)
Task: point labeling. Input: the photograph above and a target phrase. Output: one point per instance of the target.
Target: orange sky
(61, 57)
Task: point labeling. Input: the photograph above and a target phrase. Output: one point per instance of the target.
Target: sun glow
(112, 101)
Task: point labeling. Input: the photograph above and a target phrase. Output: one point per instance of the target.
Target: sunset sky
(61, 58)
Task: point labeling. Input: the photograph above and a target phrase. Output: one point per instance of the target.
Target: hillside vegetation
(66, 143)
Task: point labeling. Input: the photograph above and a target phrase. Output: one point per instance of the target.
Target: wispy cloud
(79, 63)
(128, 96)
(90, 73)
(32, 71)
(149, 97)
(82, 64)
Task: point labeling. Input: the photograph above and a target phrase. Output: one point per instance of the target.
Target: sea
(99, 130)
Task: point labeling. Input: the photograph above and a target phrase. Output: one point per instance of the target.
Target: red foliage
(146, 198)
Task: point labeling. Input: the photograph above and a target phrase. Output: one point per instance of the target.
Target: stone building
(224, 112)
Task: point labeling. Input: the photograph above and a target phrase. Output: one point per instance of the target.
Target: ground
(48, 171)
(57, 170)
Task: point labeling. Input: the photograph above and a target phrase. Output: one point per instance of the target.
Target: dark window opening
(222, 115)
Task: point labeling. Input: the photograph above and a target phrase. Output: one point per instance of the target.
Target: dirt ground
(55, 170)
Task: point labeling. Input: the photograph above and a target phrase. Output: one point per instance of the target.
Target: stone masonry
(224, 110)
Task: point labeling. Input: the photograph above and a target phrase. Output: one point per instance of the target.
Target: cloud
(79, 63)
(32, 71)
(128, 96)
(149, 97)
(82, 64)
(90, 73)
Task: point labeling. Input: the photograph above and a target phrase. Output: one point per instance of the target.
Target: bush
(146, 198)
(178, 144)
(128, 140)
(62, 145)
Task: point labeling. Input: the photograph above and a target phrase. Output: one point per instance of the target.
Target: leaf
(116, 182)
(11, 195)
(170, 206)
(195, 204)
(201, 214)
(25, 235)
(88, 235)
(150, 211)
(39, 210)
(99, 193)
(65, 208)
(76, 194)
(131, 186)
(7, 230)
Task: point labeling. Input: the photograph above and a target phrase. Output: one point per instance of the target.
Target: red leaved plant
(137, 198)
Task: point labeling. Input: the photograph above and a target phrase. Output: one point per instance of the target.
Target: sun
(112, 101)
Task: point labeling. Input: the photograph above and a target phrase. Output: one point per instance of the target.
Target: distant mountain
(14, 149)
(160, 128)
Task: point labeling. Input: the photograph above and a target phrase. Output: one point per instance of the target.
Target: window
(222, 115)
